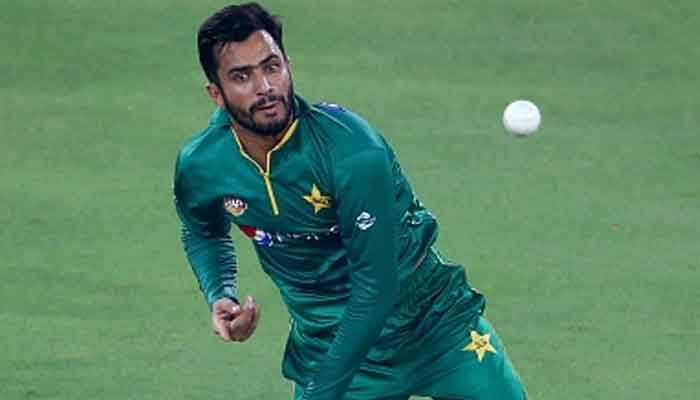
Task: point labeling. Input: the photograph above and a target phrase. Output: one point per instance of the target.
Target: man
(376, 312)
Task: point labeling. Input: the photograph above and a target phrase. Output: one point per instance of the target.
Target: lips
(267, 104)
(266, 107)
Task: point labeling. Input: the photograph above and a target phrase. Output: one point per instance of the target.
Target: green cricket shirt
(334, 222)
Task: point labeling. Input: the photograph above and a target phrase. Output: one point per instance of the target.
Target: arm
(206, 242)
(365, 196)
(213, 262)
(211, 255)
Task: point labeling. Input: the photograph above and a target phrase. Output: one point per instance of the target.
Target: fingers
(224, 306)
(254, 323)
(221, 329)
(236, 323)
(256, 318)
(223, 312)
(243, 326)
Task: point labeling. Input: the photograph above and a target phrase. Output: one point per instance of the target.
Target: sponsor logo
(259, 236)
(318, 200)
(365, 221)
(331, 233)
(331, 107)
(235, 206)
(269, 239)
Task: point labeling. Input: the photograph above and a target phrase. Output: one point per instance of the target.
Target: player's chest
(292, 198)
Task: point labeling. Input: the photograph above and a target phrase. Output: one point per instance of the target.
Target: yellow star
(480, 344)
(318, 200)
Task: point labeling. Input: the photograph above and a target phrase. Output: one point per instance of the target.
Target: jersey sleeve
(365, 205)
(206, 241)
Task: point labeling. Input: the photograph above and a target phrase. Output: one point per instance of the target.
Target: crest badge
(318, 200)
(235, 206)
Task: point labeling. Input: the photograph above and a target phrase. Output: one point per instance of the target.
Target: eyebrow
(249, 67)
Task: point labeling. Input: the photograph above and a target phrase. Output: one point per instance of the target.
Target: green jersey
(336, 226)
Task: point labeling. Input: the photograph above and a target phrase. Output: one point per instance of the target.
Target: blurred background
(585, 237)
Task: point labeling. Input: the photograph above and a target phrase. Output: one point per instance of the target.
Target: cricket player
(376, 311)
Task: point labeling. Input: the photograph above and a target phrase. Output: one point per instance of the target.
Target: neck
(258, 146)
(254, 143)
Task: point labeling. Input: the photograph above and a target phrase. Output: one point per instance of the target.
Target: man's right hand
(233, 322)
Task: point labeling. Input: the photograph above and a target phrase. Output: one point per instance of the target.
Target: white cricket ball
(522, 118)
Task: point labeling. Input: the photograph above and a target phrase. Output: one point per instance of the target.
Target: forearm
(368, 227)
(372, 299)
(213, 261)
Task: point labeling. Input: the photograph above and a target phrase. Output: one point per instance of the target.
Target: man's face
(255, 84)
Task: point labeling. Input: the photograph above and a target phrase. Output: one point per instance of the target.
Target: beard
(246, 118)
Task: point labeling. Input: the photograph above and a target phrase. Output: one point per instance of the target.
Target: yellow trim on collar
(266, 172)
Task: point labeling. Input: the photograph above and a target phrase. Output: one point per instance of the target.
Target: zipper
(270, 192)
(265, 173)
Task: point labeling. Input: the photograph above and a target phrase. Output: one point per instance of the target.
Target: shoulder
(358, 148)
(348, 131)
(201, 147)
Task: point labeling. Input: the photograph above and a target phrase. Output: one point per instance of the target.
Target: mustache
(266, 100)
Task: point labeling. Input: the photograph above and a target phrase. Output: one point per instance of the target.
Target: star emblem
(318, 200)
(480, 344)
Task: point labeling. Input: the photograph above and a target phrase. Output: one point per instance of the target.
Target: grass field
(585, 238)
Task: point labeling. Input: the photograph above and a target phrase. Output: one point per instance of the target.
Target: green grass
(584, 237)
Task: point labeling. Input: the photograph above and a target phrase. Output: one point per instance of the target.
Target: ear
(215, 94)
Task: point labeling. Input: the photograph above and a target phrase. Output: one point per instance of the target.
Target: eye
(239, 77)
(273, 67)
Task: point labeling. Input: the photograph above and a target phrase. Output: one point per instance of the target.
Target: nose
(263, 86)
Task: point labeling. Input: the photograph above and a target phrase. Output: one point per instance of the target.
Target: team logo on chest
(318, 200)
(235, 206)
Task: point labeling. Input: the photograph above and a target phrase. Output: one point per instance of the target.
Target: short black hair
(233, 23)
